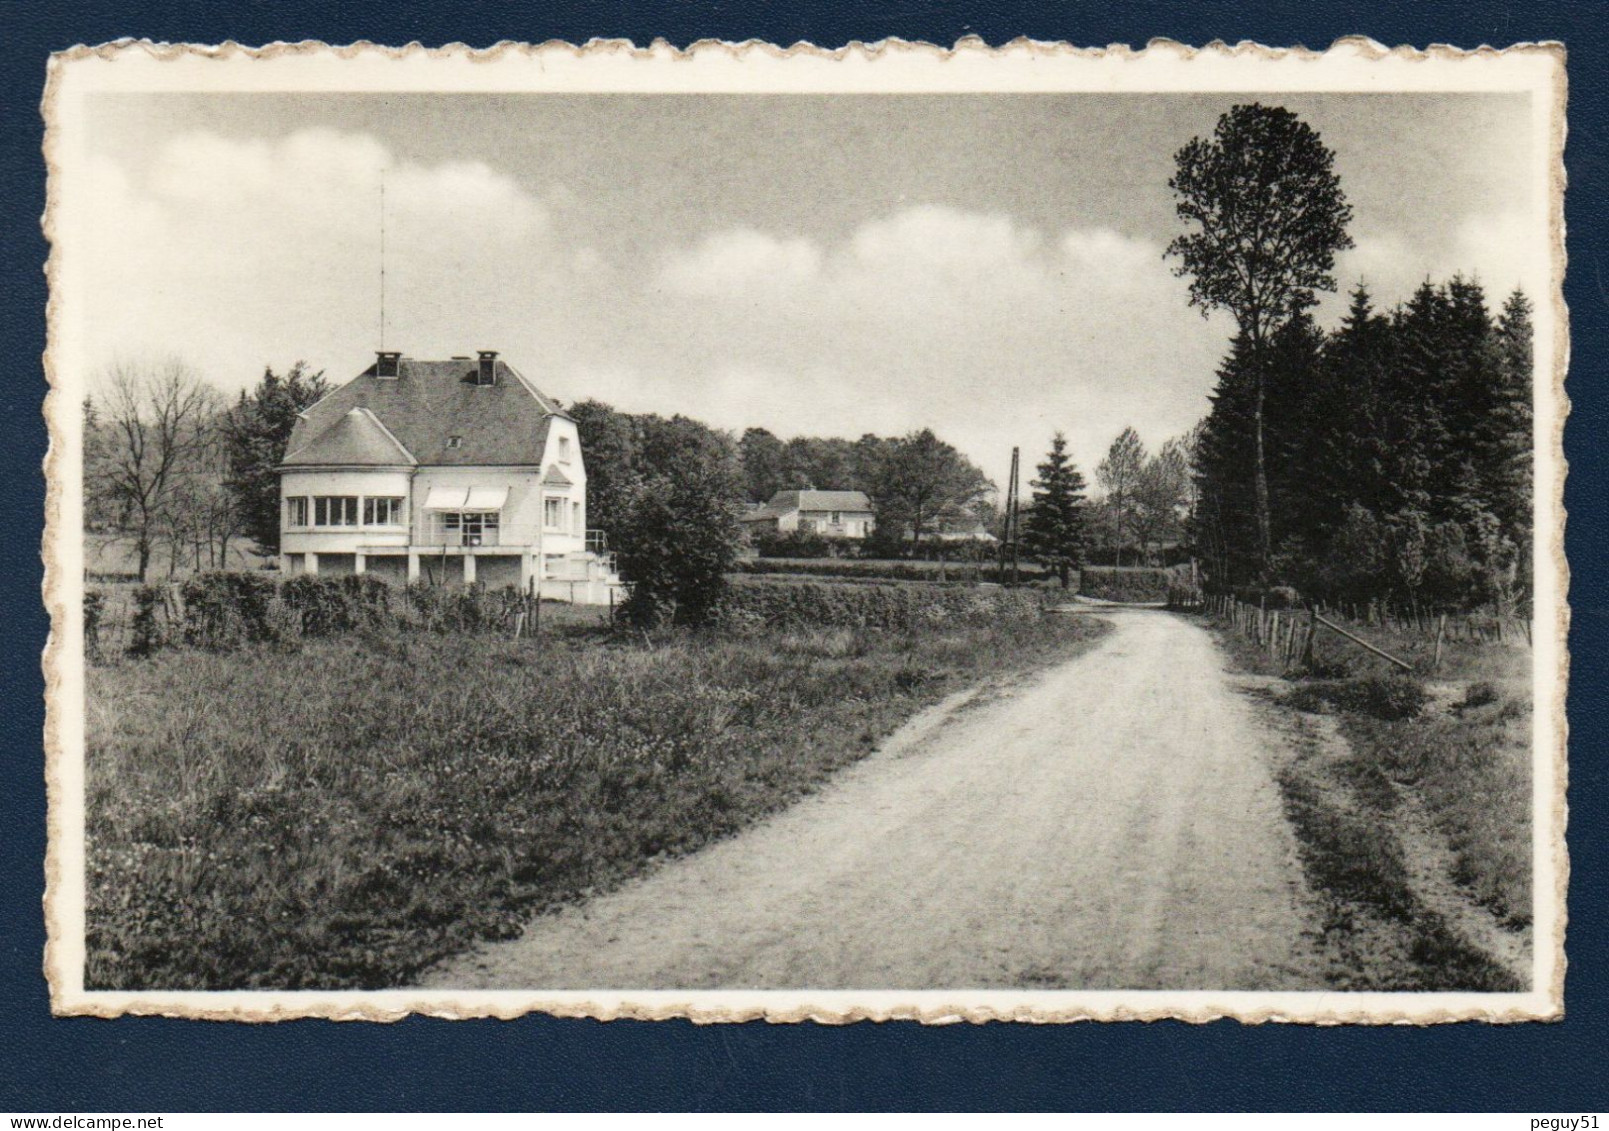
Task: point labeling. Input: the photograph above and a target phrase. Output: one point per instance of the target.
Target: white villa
(830, 514)
(454, 472)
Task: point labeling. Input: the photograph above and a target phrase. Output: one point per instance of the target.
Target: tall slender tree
(1267, 215)
(1119, 476)
(1053, 529)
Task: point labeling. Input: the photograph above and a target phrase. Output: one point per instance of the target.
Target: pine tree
(255, 433)
(1508, 443)
(1053, 530)
(1224, 526)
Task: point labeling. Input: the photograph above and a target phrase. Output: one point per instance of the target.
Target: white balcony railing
(431, 532)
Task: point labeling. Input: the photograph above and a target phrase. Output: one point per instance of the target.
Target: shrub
(800, 544)
(1111, 583)
(883, 570)
(1282, 597)
(1390, 698)
(148, 630)
(94, 610)
(1479, 694)
(225, 610)
(330, 605)
(887, 607)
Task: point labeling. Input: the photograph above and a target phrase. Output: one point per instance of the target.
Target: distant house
(954, 524)
(451, 472)
(827, 514)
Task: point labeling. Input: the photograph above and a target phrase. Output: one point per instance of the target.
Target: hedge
(887, 570)
(888, 607)
(226, 610)
(1111, 583)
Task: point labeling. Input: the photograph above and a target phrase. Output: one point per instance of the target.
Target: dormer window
(455, 441)
(486, 373)
(388, 364)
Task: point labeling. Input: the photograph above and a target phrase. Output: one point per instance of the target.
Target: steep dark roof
(427, 404)
(356, 438)
(784, 501)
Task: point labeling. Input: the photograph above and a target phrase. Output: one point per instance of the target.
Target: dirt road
(1111, 824)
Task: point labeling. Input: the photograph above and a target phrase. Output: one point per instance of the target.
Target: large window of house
(468, 528)
(381, 510)
(335, 510)
(296, 511)
(553, 514)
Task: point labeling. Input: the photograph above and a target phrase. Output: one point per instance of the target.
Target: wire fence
(1289, 634)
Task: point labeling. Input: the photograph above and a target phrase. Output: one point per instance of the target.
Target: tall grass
(1462, 746)
(347, 814)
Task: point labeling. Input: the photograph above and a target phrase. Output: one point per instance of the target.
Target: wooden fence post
(1307, 645)
(1441, 634)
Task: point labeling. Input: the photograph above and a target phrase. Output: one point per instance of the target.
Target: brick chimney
(487, 374)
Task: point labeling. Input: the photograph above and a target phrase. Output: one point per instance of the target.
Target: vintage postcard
(947, 534)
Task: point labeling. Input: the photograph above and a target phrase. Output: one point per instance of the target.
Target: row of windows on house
(343, 510)
(380, 510)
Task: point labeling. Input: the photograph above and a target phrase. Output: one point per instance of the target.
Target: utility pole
(1008, 539)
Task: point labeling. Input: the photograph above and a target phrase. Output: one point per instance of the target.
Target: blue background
(135, 1064)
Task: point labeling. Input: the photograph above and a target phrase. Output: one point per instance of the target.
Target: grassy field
(1384, 754)
(345, 813)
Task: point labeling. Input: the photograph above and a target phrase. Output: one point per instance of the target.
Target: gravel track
(1111, 823)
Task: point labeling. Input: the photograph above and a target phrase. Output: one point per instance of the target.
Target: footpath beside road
(1113, 823)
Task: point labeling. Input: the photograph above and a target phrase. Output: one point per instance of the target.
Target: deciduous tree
(919, 477)
(1268, 216)
(1119, 477)
(156, 420)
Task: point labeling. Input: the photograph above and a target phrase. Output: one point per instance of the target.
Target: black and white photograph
(1003, 534)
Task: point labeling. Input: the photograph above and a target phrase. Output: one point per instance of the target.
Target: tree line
(918, 484)
(1398, 455)
(1390, 458)
(171, 465)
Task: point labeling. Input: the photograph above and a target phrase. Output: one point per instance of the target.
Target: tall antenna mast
(382, 259)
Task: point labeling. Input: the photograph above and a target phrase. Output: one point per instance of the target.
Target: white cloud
(1502, 250)
(227, 248)
(734, 263)
(935, 238)
(992, 331)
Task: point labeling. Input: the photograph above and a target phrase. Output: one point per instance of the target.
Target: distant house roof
(758, 512)
(784, 501)
(424, 408)
(357, 437)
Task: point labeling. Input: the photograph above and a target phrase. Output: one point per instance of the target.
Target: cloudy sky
(989, 266)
